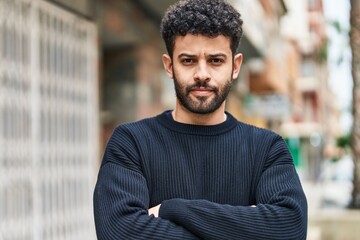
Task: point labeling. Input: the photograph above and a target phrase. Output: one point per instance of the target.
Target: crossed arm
(122, 210)
(155, 210)
(121, 206)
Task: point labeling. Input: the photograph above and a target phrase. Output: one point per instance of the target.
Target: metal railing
(48, 122)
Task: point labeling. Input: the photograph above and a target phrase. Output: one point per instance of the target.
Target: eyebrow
(210, 55)
(218, 55)
(186, 55)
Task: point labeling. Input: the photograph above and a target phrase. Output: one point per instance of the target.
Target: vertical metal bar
(35, 109)
(46, 111)
(2, 93)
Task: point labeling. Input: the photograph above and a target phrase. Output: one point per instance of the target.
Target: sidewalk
(327, 223)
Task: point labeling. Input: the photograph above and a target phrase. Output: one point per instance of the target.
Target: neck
(182, 115)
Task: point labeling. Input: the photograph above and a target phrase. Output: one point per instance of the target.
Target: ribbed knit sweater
(206, 179)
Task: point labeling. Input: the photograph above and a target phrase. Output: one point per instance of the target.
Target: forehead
(197, 44)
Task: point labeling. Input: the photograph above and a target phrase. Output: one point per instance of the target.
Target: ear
(167, 62)
(238, 58)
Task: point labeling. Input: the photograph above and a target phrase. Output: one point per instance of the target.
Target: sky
(340, 79)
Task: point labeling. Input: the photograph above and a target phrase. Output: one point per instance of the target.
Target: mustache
(204, 85)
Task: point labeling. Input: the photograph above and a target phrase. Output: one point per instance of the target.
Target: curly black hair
(206, 17)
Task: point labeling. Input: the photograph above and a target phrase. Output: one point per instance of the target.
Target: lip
(201, 91)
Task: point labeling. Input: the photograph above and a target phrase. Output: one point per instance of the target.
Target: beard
(201, 104)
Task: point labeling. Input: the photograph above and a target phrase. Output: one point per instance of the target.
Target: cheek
(183, 75)
(222, 74)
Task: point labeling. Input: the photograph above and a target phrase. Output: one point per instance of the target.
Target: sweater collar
(167, 121)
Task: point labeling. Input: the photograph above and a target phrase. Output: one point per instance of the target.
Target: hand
(154, 211)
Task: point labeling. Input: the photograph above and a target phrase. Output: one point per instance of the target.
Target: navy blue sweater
(205, 177)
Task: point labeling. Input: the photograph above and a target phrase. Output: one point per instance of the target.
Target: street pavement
(329, 222)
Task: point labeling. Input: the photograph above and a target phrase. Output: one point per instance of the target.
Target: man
(196, 172)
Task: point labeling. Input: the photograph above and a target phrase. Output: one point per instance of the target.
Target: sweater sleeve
(280, 212)
(121, 199)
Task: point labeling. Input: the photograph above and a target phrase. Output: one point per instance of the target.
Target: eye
(187, 61)
(216, 61)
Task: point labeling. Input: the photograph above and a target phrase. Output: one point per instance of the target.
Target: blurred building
(262, 94)
(315, 121)
(133, 83)
(284, 85)
(49, 147)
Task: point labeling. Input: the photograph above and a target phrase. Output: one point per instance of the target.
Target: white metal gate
(48, 122)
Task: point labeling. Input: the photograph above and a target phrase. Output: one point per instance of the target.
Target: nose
(202, 73)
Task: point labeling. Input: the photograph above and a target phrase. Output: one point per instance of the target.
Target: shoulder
(127, 139)
(137, 132)
(269, 146)
(259, 134)
(264, 143)
(136, 126)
